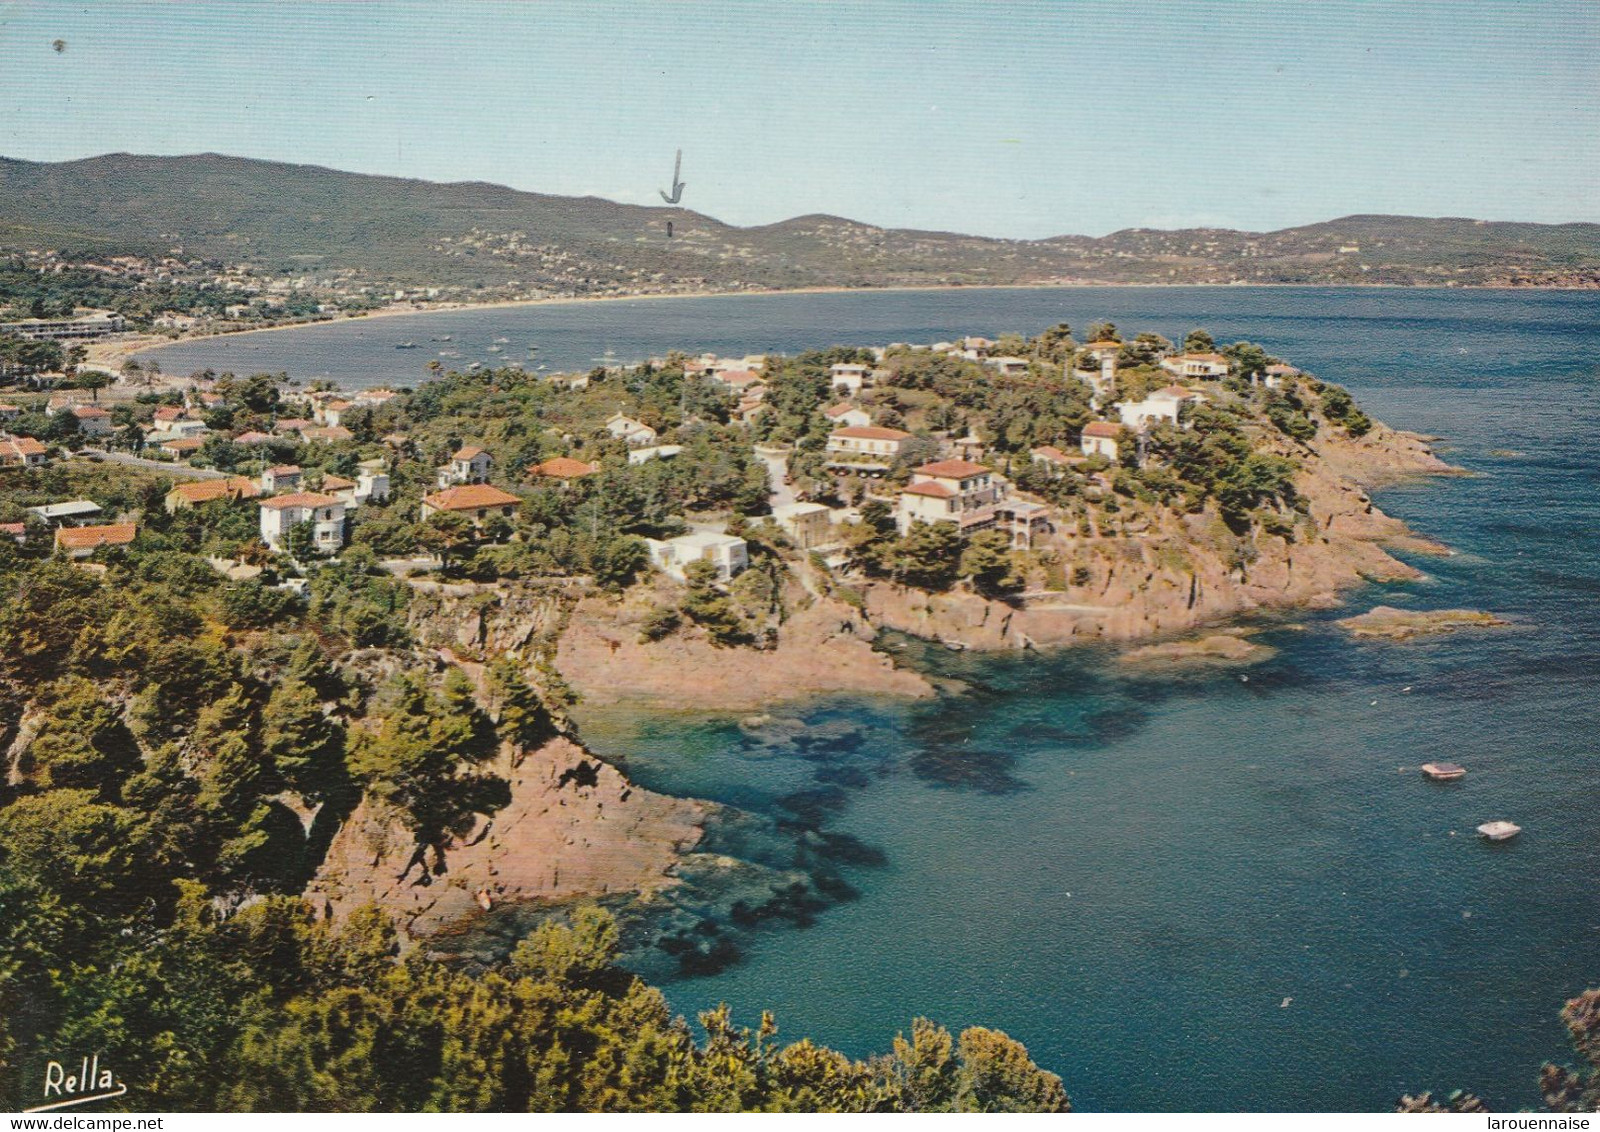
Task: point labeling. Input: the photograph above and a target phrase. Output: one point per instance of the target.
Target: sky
(1020, 119)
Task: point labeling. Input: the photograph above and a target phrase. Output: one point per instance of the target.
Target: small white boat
(502, 341)
(1444, 772)
(1499, 830)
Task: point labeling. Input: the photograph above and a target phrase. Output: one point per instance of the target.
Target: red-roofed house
(92, 420)
(477, 501)
(23, 450)
(468, 464)
(1051, 456)
(204, 491)
(281, 477)
(1100, 439)
(563, 468)
(973, 498)
(947, 491)
(183, 446)
(80, 542)
(848, 416)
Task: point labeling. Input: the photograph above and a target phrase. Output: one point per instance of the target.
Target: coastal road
(182, 471)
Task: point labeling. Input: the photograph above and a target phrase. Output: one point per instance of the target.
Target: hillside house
(728, 553)
(1276, 375)
(955, 491)
(477, 502)
(656, 452)
(469, 464)
(22, 451)
(1161, 405)
(865, 449)
(187, 495)
(182, 447)
(81, 542)
(1053, 457)
(280, 478)
(563, 468)
(1100, 439)
(324, 512)
(92, 420)
(1201, 367)
(849, 375)
(635, 433)
(73, 513)
(845, 415)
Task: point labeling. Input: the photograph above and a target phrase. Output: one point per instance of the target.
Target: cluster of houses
(954, 488)
(958, 490)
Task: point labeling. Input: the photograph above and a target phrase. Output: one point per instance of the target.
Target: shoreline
(116, 353)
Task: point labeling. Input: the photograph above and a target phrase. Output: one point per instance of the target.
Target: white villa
(469, 464)
(846, 415)
(655, 452)
(866, 448)
(728, 553)
(1162, 405)
(1100, 439)
(1205, 367)
(324, 512)
(851, 375)
(946, 491)
(970, 496)
(636, 433)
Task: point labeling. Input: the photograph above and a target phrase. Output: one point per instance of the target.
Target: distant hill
(299, 218)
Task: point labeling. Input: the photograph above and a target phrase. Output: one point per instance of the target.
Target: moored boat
(1499, 830)
(1444, 772)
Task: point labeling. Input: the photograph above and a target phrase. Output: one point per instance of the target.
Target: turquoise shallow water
(1131, 873)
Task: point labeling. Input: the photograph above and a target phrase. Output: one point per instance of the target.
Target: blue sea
(1184, 890)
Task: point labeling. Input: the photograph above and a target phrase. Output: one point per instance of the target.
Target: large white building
(865, 449)
(325, 513)
(728, 553)
(83, 324)
(971, 497)
(1161, 405)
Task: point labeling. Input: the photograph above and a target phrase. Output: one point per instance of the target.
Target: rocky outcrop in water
(1403, 624)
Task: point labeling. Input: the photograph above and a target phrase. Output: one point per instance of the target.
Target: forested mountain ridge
(389, 230)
